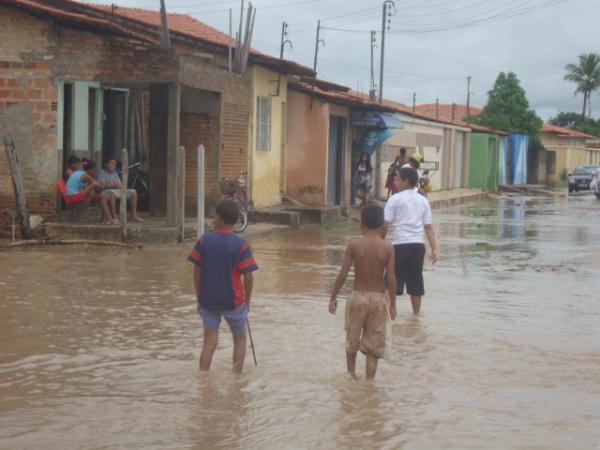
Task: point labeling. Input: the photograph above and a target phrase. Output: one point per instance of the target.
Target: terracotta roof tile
(189, 27)
(444, 112)
(565, 132)
(37, 8)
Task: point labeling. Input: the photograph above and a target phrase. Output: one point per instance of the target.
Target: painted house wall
(306, 155)
(570, 153)
(267, 166)
(483, 169)
(437, 143)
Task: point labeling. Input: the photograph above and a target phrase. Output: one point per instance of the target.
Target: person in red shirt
(221, 259)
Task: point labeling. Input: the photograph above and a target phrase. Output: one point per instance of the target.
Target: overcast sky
(533, 38)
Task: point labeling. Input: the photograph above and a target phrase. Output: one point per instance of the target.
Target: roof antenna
(165, 39)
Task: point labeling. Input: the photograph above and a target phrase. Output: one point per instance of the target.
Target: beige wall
(306, 155)
(553, 140)
(266, 166)
(428, 139)
(306, 160)
(569, 158)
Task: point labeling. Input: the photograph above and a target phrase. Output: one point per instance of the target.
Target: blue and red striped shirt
(222, 258)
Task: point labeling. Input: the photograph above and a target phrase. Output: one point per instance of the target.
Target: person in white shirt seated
(408, 221)
(110, 181)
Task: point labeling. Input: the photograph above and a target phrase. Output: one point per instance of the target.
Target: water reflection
(100, 349)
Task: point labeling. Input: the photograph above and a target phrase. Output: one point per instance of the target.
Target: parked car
(595, 184)
(581, 178)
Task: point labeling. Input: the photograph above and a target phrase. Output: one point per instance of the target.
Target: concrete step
(276, 216)
(316, 215)
(141, 234)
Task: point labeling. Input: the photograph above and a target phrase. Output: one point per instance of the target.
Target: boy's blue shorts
(236, 318)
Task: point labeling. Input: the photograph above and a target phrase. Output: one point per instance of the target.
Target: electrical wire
(505, 11)
(257, 7)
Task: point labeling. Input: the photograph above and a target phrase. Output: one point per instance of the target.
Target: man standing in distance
(408, 220)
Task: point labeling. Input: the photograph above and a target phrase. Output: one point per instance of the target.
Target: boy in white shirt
(408, 220)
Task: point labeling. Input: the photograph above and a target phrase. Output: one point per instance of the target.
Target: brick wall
(34, 56)
(27, 109)
(235, 110)
(195, 129)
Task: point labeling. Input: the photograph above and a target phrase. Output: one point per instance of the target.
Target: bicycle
(235, 189)
(138, 176)
(137, 181)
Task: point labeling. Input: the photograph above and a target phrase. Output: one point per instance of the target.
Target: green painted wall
(483, 167)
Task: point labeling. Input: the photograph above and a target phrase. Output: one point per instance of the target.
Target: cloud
(536, 45)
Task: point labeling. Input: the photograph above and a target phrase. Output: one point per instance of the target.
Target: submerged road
(99, 348)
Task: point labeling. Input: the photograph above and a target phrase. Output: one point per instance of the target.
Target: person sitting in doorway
(110, 181)
(82, 186)
(73, 165)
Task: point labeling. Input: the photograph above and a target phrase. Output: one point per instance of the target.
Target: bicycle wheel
(242, 223)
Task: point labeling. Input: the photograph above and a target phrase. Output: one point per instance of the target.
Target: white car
(595, 183)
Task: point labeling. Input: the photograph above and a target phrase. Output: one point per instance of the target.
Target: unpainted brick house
(91, 79)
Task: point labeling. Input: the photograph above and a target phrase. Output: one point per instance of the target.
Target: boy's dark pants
(409, 268)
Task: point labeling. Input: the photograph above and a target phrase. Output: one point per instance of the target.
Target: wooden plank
(200, 204)
(123, 200)
(180, 199)
(17, 180)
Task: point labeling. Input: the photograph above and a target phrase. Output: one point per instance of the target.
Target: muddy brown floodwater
(99, 348)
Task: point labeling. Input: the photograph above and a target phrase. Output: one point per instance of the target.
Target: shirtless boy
(367, 312)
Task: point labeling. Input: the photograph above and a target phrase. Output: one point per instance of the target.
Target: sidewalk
(152, 231)
(442, 199)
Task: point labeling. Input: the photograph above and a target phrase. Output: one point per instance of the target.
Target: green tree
(507, 109)
(587, 76)
(574, 121)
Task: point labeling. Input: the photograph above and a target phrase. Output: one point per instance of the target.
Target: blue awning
(375, 119)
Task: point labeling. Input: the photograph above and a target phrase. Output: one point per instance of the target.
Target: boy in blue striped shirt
(221, 259)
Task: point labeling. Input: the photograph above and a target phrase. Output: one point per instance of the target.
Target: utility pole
(414, 103)
(372, 86)
(469, 96)
(387, 14)
(318, 41)
(284, 41)
(437, 107)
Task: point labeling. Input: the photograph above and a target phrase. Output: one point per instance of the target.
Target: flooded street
(99, 348)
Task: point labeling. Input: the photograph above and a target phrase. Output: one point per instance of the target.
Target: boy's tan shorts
(368, 324)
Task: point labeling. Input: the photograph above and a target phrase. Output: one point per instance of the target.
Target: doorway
(114, 133)
(336, 161)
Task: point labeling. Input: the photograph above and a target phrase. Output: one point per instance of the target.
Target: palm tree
(586, 75)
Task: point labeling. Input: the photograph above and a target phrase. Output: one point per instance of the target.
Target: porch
(153, 231)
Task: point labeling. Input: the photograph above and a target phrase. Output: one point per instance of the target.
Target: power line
(259, 8)
(512, 11)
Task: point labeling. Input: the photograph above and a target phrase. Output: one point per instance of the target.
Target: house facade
(566, 150)
(91, 79)
(444, 147)
(319, 148)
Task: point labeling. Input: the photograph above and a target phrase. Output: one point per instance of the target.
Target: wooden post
(17, 180)
(180, 199)
(200, 215)
(123, 200)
